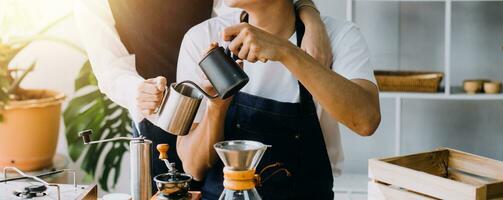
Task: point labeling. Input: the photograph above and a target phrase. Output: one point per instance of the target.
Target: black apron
(153, 31)
(297, 165)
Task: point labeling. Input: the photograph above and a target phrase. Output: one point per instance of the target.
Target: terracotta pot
(29, 132)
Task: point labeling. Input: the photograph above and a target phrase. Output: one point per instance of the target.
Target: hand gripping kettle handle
(166, 94)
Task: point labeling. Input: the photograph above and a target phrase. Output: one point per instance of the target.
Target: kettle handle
(164, 97)
(166, 93)
(197, 87)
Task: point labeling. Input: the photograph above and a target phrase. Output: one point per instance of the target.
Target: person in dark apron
(297, 166)
(152, 31)
(302, 172)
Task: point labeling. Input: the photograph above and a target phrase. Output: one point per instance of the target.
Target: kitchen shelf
(440, 96)
(449, 92)
(424, 0)
(356, 183)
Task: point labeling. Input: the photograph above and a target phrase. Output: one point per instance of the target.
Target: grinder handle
(163, 151)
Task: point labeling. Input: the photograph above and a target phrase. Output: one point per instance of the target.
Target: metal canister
(141, 181)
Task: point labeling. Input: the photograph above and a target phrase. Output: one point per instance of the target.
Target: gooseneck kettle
(181, 100)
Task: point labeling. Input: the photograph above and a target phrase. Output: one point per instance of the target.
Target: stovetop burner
(31, 191)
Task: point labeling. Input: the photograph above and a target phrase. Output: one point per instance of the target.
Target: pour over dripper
(240, 158)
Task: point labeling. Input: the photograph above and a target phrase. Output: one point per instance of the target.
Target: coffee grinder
(172, 185)
(240, 158)
(140, 149)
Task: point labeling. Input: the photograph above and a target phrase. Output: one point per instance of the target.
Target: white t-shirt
(113, 65)
(272, 80)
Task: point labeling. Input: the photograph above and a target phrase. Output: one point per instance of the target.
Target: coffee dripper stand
(172, 185)
(240, 158)
(140, 156)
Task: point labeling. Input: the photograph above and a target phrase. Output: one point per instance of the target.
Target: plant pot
(29, 132)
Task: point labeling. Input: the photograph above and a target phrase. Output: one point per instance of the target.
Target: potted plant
(29, 118)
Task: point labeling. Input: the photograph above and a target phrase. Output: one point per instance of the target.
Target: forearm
(112, 65)
(346, 101)
(196, 149)
(308, 13)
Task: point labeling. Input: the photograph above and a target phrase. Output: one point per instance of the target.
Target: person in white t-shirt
(291, 102)
(133, 47)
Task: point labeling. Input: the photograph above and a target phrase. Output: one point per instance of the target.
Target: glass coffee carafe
(240, 158)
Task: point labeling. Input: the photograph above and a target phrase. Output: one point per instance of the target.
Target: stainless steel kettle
(181, 100)
(179, 107)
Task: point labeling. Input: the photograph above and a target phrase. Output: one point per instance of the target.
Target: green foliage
(88, 110)
(9, 83)
(92, 110)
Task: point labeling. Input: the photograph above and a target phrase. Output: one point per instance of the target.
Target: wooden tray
(408, 81)
(440, 174)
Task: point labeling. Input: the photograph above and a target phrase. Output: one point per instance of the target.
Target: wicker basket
(408, 81)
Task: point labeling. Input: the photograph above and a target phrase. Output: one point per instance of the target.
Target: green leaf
(83, 79)
(15, 84)
(93, 110)
(114, 158)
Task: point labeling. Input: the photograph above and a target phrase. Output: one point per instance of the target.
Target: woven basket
(408, 81)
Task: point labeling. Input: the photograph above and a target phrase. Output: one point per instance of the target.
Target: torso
(272, 81)
(153, 31)
(298, 154)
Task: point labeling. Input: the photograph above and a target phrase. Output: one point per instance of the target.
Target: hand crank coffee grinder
(172, 185)
(140, 149)
(240, 158)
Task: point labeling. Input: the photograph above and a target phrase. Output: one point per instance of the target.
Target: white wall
(473, 126)
(410, 36)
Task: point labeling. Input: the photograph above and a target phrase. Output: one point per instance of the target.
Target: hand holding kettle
(208, 87)
(180, 102)
(150, 95)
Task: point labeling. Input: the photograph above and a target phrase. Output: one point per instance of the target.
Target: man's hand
(150, 94)
(253, 44)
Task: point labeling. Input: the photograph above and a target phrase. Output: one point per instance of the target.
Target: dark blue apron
(297, 165)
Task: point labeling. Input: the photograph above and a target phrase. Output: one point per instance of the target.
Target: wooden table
(196, 195)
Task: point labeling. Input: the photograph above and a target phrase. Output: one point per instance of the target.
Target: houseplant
(88, 109)
(28, 118)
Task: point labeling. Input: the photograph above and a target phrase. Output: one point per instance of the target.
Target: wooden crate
(440, 174)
